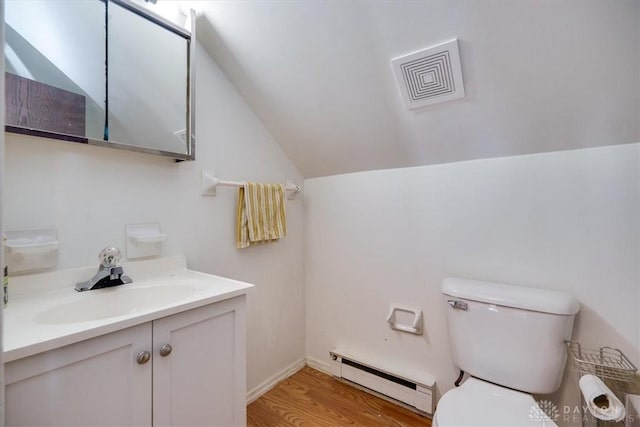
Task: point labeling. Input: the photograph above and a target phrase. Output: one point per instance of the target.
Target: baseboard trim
(318, 365)
(268, 384)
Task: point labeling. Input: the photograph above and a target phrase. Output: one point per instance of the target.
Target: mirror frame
(190, 117)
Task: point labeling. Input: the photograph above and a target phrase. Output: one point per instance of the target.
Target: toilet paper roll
(601, 401)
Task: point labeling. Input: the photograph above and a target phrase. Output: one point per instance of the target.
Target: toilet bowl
(479, 403)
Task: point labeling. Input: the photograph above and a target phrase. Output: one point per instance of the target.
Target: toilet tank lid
(534, 299)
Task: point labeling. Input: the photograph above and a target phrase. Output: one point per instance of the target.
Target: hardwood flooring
(312, 398)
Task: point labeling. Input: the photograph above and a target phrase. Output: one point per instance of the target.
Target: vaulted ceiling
(540, 75)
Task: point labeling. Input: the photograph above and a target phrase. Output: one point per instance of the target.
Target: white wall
(90, 193)
(567, 220)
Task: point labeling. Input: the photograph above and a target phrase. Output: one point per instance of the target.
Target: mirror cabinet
(102, 72)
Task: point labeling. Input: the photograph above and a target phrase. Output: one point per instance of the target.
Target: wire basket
(605, 363)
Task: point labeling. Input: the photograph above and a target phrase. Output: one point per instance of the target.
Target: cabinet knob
(165, 350)
(143, 357)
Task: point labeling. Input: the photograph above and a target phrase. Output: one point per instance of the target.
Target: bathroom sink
(114, 302)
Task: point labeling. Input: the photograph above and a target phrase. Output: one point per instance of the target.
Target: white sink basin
(113, 302)
(46, 313)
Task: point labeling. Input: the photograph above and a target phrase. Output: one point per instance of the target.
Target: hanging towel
(261, 215)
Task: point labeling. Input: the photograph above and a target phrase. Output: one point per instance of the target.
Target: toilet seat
(479, 403)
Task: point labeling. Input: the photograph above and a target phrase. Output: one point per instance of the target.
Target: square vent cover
(430, 76)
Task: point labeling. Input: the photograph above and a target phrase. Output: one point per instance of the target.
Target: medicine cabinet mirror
(108, 73)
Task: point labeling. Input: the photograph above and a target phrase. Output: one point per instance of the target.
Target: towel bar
(210, 182)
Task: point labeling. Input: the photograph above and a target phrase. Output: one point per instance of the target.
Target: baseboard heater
(409, 392)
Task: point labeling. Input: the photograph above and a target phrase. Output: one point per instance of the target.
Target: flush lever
(458, 304)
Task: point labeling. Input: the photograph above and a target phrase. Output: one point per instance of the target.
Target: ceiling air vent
(430, 76)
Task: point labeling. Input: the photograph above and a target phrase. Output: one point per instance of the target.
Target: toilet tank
(509, 335)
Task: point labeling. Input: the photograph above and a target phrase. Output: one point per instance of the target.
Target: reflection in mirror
(55, 69)
(146, 58)
(102, 72)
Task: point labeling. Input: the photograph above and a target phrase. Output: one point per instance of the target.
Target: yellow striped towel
(261, 215)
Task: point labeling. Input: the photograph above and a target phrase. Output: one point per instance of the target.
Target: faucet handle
(109, 257)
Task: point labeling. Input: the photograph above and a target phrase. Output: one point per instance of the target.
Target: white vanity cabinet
(92, 383)
(195, 375)
(202, 381)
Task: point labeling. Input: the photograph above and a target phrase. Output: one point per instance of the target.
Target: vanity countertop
(45, 312)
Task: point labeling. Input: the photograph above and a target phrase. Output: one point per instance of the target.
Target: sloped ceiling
(540, 75)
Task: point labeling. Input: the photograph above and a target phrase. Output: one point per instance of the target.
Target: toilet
(510, 340)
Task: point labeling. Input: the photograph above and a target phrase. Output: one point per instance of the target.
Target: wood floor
(312, 398)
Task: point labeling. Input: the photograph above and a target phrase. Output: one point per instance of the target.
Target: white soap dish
(31, 250)
(144, 240)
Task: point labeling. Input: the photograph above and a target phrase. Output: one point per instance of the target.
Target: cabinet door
(202, 382)
(92, 383)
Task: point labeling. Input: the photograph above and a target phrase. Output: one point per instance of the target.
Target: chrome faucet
(109, 274)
